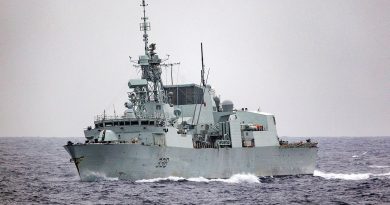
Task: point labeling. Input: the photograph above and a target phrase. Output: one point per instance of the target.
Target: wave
(384, 174)
(352, 176)
(237, 178)
(378, 166)
(341, 176)
(357, 156)
(170, 178)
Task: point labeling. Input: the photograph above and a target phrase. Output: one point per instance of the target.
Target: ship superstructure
(184, 130)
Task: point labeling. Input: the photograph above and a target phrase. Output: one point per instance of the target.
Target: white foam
(237, 178)
(170, 178)
(96, 176)
(351, 176)
(198, 179)
(240, 178)
(378, 166)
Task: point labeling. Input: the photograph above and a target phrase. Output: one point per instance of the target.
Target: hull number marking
(162, 162)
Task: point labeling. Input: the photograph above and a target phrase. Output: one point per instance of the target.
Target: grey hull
(135, 161)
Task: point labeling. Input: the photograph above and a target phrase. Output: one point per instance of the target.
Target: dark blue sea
(349, 171)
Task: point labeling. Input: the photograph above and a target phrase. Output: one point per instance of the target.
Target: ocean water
(349, 171)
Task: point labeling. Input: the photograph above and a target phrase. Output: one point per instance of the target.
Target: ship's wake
(350, 176)
(237, 178)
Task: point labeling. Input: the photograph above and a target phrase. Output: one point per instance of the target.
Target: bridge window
(134, 122)
(144, 122)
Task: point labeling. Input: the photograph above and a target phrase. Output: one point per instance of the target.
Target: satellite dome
(227, 102)
(227, 106)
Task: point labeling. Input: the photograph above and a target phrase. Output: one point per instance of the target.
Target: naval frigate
(184, 130)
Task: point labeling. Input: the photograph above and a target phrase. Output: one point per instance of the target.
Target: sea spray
(97, 176)
(170, 178)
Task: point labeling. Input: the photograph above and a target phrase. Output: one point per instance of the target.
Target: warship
(184, 130)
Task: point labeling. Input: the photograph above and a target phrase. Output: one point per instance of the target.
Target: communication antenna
(171, 66)
(113, 105)
(145, 26)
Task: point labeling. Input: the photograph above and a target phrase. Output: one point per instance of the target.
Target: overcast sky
(322, 67)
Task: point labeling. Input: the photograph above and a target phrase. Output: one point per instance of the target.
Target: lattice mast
(150, 64)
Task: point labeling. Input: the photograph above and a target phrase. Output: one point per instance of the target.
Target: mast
(202, 71)
(145, 26)
(150, 64)
(150, 87)
(203, 82)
